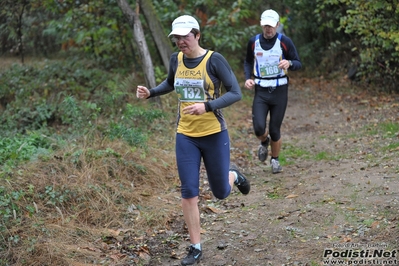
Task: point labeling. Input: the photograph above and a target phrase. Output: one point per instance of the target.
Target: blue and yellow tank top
(194, 85)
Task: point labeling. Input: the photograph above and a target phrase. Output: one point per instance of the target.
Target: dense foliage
(66, 98)
(370, 33)
(330, 35)
(375, 27)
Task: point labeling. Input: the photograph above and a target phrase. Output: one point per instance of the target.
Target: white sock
(235, 175)
(197, 246)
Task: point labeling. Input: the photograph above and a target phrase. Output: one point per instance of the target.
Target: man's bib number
(269, 70)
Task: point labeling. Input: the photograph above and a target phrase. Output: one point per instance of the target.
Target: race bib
(190, 90)
(269, 70)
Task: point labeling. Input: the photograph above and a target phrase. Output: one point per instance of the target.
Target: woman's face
(187, 44)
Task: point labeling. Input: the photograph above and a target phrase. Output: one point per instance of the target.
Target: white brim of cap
(180, 31)
(269, 22)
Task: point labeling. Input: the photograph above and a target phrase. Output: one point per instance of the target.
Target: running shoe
(241, 183)
(276, 167)
(263, 150)
(194, 255)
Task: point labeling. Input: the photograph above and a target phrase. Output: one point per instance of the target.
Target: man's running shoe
(194, 255)
(263, 150)
(241, 183)
(276, 167)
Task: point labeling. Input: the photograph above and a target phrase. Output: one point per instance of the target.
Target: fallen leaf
(347, 239)
(91, 249)
(375, 224)
(114, 232)
(291, 196)
(117, 256)
(213, 209)
(144, 256)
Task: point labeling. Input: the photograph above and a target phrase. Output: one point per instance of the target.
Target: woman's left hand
(195, 109)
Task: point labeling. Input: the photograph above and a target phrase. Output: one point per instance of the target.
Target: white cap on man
(183, 25)
(270, 18)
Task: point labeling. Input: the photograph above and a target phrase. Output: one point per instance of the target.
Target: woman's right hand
(142, 92)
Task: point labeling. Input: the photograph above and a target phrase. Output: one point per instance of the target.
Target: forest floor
(337, 198)
(335, 203)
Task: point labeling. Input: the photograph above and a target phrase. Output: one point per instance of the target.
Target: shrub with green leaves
(34, 96)
(374, 25)
(361, 35)
(66, 98)
(22, 148)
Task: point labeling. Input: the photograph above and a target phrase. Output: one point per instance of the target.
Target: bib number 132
(189, 92)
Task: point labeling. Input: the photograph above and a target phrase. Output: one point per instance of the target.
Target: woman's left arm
(226, 76)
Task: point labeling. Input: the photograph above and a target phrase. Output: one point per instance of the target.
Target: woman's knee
(221, 194)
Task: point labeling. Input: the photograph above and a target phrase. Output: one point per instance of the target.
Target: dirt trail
(341, 188)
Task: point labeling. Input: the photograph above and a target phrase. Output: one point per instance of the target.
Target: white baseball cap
(270, 18)
(183, 25)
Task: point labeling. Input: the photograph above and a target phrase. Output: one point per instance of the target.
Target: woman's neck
(196, 53)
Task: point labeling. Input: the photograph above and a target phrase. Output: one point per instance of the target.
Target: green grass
(291, 153)
(389, 129)
(368, 222)
(386, 129)
(273, 195)
(391, 146)
(326, 156)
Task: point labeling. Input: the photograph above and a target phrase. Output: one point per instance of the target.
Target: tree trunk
(138, 35)
(161, 40)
